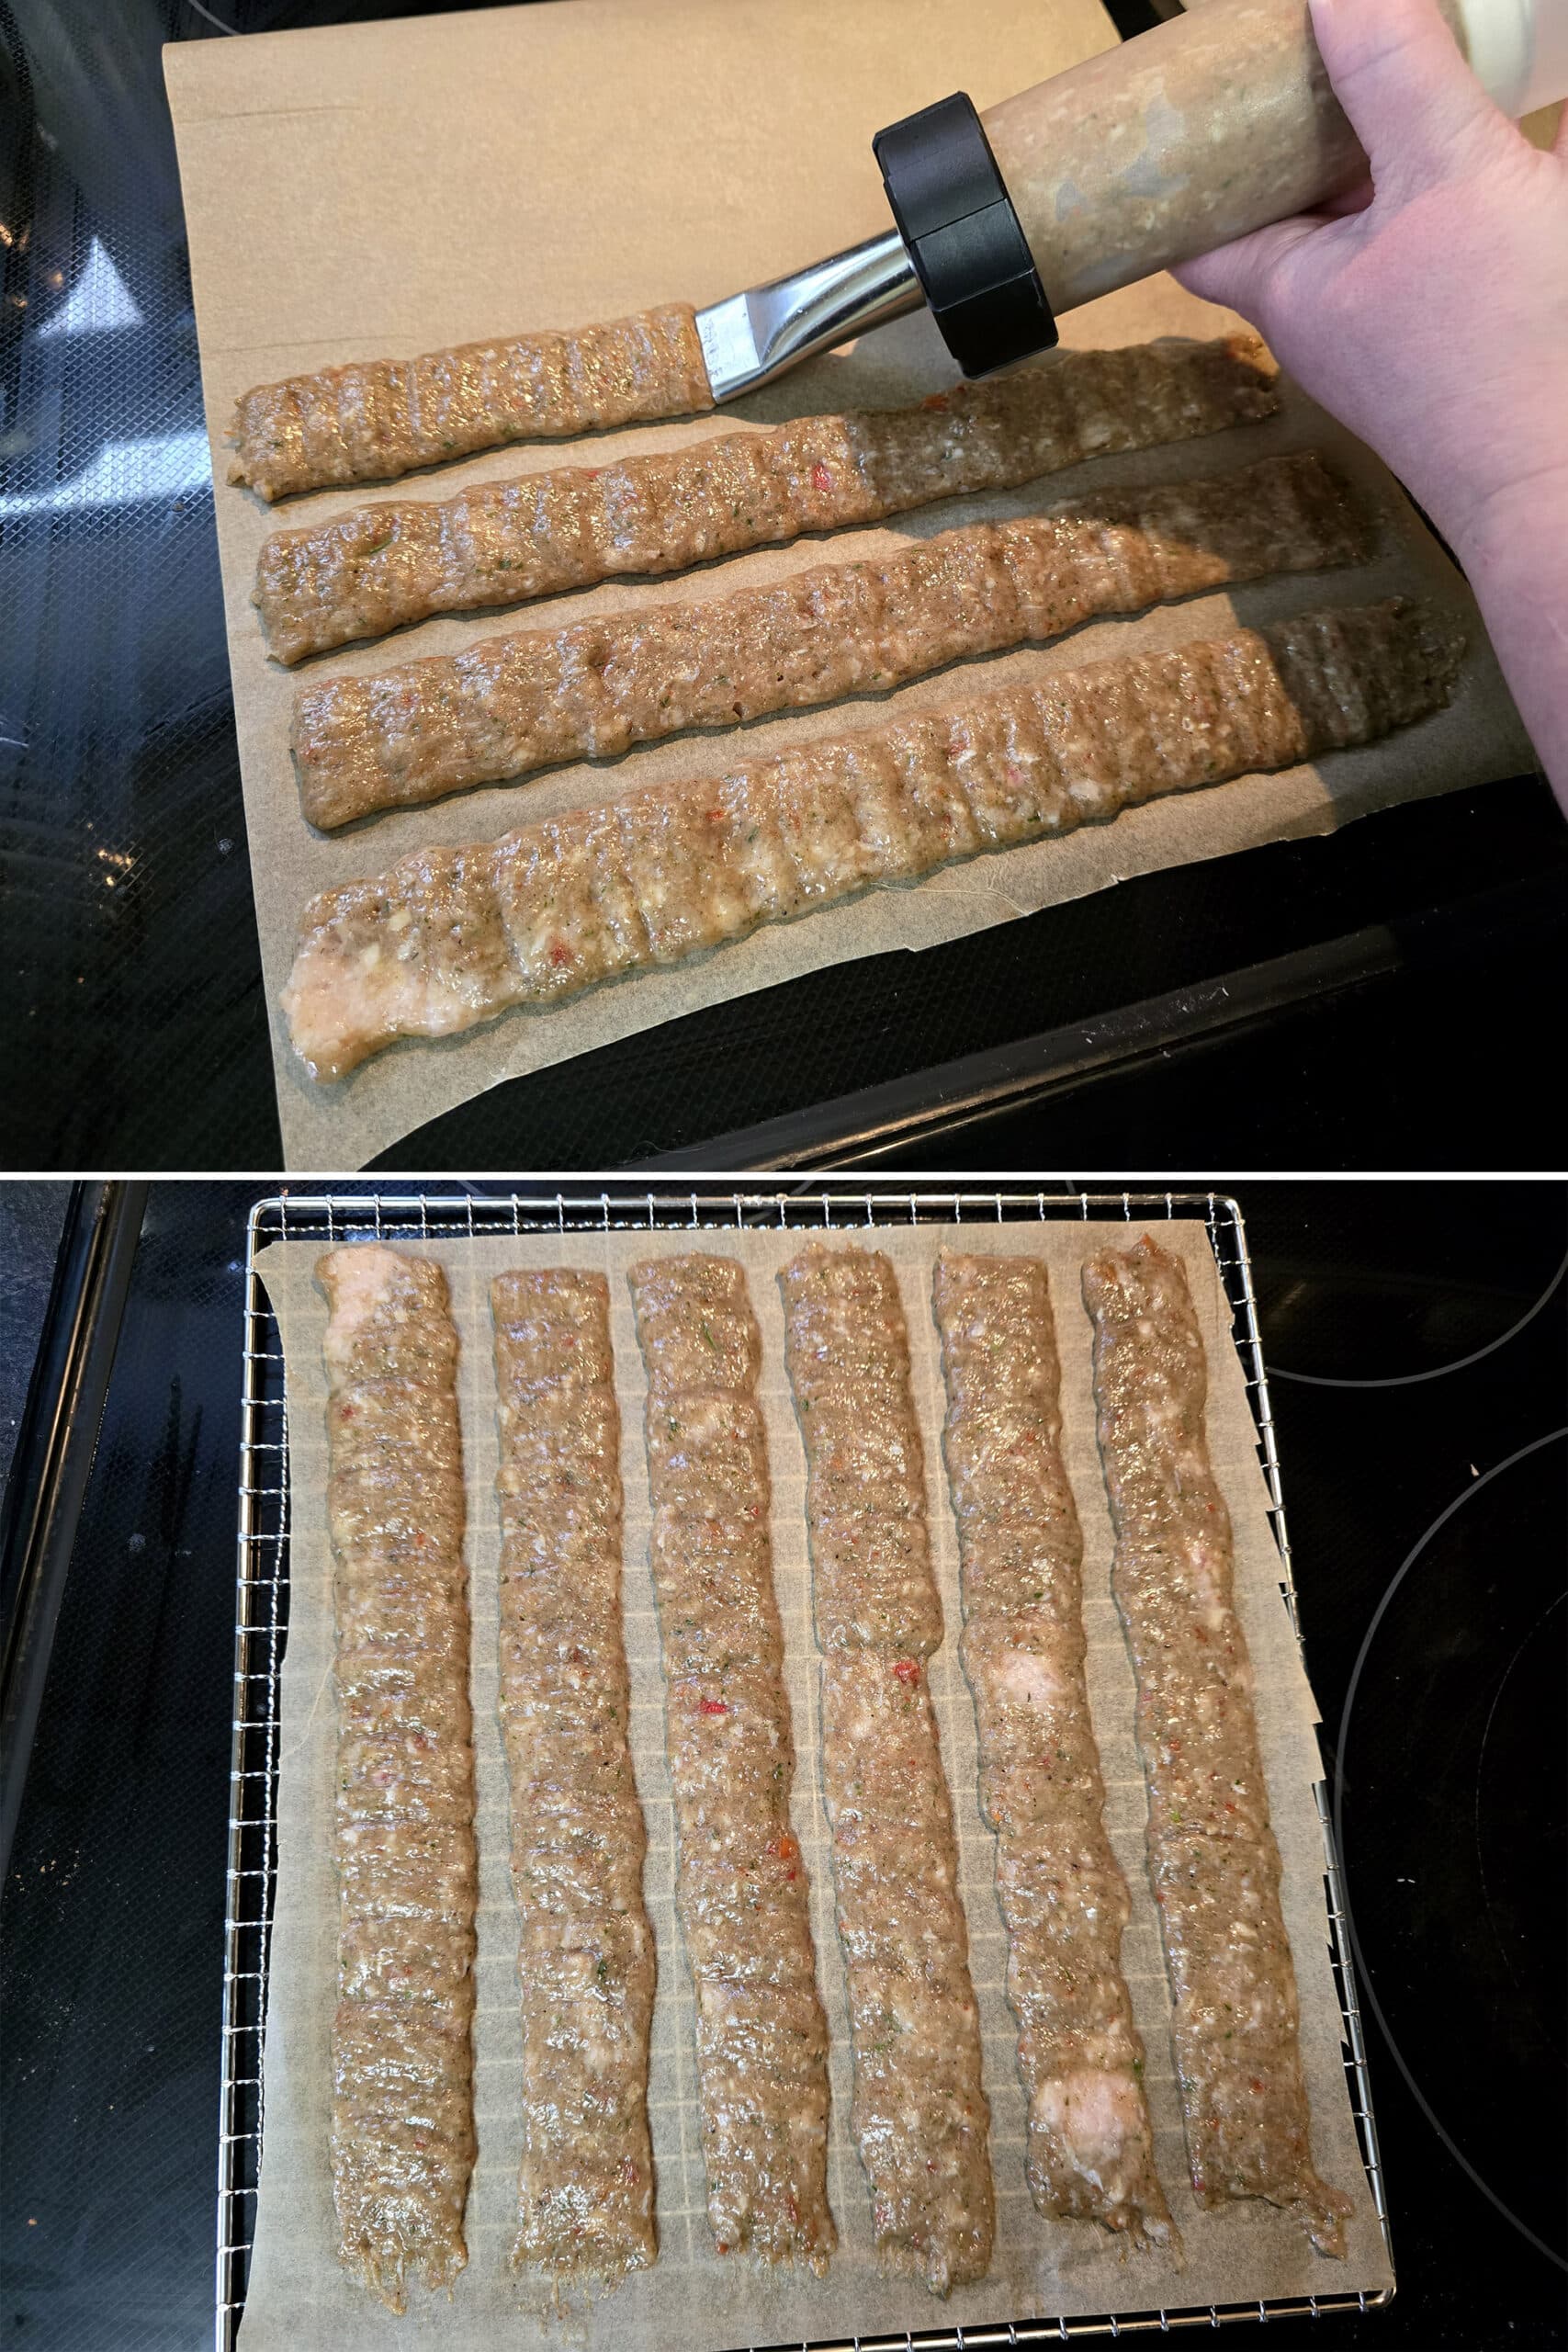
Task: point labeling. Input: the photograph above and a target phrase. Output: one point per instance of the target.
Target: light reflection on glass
(123, 473)
(98, 303)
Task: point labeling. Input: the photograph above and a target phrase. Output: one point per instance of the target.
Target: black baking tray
(139, 1034)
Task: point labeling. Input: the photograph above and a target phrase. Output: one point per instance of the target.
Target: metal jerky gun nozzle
(958, 248)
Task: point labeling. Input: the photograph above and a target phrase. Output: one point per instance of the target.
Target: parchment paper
(694, 2301)
(387, 188)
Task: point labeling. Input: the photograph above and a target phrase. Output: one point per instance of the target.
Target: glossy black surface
(31, 1215)
(114, 1904)
(139, 1036)
(1453, 1076)
(113, 1912)
(1458, 1745)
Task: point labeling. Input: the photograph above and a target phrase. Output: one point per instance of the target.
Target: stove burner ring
(1437, 1371)
(1520, 1647)
(1367, 1994)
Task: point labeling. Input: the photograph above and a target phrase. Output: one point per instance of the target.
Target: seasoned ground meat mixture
(740, 1885)
(1213, 1859)
(514, 704)
(1090, 2147)
(920, 2116)
(585, 1961)
(449, 937)
(402, 2113)
(377, 418)
(379, 567)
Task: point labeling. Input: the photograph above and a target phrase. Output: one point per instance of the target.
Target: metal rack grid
(261, 1621)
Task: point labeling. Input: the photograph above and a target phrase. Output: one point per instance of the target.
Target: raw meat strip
(919, 2118)
(402, 2113)
(740, 1884)
(1213, 1859)
(585, 1958)
(380, 417)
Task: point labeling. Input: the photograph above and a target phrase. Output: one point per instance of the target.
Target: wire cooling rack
(262, 1627)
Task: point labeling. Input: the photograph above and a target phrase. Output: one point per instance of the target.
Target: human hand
(1429, 312)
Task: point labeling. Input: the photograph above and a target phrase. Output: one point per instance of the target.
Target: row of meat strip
(402, 2131)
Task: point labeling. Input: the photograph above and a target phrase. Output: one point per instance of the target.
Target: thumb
(1245, 275)
(1412, 99)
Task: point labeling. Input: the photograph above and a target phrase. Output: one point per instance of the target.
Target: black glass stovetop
(1414, 1338)
(138, 1035)
(1416, 1341)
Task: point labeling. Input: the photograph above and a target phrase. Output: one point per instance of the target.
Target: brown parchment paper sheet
(694, 2301)
(383, 190)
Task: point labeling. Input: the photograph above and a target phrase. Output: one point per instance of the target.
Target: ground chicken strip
(378, 568)
(1212, 1859)
(740, 1884)
(452, 936)
(1064, 1899)
(585, 1960)
(920, 2116)
(513, 704)
(377, 418)
(402, 2113)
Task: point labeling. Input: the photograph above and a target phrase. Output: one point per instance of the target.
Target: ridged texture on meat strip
(402, 2113)
(585, 1958)
(1212, 1859)
(740, 1884)
(1090, 2147)
(379, 567)
(514, 704)
(377, 418)
(920, 2116)
(450, 937)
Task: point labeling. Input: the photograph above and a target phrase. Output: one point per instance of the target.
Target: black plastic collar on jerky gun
(963, 236)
